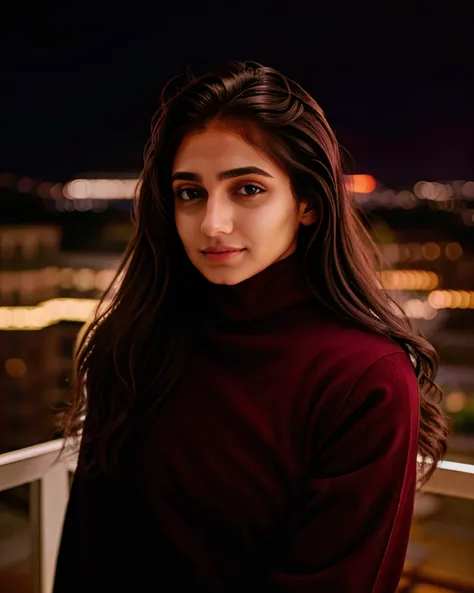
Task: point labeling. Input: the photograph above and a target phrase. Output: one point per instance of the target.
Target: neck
(277, 288)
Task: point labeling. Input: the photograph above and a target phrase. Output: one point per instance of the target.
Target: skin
(250, 217)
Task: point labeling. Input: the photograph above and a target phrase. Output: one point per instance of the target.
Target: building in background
(43, 291)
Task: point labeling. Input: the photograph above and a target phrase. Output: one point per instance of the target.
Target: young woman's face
(234, 209)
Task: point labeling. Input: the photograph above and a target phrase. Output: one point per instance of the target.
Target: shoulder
(389, 383)
(364, 354)
(349, 366)
(335, 347)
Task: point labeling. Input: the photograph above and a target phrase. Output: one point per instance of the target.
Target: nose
(218, 217)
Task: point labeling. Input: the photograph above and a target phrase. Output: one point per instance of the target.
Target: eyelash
(179, 192)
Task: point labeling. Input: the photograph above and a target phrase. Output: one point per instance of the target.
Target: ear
(307, 214)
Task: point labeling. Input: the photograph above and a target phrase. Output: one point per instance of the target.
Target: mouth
(222, 254)
(223, 250)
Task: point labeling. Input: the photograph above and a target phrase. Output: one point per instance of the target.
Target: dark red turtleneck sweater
(284, 460)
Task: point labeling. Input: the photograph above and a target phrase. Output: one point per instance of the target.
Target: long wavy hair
(130, 356)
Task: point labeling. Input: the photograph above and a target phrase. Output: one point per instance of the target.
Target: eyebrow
(223, 175)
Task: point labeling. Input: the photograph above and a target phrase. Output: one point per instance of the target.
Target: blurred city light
(419, 309)
(84, 279)
(101, 189)
(451, 299)
(25, 185)
(433, 191)
(57, 191)
(361, 184)
(455, 401)
(46, 313)
(15, 367)
(416, 280)
(431, 251)
(453, 251)
(467, 190)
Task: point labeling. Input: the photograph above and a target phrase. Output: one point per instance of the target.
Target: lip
(222, 253)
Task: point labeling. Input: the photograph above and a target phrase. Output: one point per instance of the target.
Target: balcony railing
(49, 492)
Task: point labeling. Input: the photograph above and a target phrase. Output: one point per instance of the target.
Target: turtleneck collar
(277, 288)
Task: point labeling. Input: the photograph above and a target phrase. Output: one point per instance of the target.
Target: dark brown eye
(249, 189)
(188, 193)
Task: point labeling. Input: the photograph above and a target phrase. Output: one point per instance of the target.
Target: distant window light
(15, 367)
(84, 280)
(453, 251)
(456, 401)
(57, 191)
(25, 185)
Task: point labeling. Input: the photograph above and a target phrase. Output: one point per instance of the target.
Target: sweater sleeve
(352, 532)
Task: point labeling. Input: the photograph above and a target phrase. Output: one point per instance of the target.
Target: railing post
(49, 497)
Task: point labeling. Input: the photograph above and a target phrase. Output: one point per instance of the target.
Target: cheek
(183, 226)
(279, 216)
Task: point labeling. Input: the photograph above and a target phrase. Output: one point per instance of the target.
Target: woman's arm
(352, 533)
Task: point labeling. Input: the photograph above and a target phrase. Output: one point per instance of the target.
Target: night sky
(78, 90)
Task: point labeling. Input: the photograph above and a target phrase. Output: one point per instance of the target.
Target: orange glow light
(361, 184)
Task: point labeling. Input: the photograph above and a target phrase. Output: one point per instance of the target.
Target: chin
(225, 277)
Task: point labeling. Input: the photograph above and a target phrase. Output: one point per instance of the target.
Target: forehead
(219, 148)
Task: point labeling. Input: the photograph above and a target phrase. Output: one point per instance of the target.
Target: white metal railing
(49, 483)
(49, 493)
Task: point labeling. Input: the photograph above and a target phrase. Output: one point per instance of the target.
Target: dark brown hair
(132, 353)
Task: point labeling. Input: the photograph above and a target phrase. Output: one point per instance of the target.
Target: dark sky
(78, 90)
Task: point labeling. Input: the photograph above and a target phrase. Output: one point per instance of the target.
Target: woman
(255, 402)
